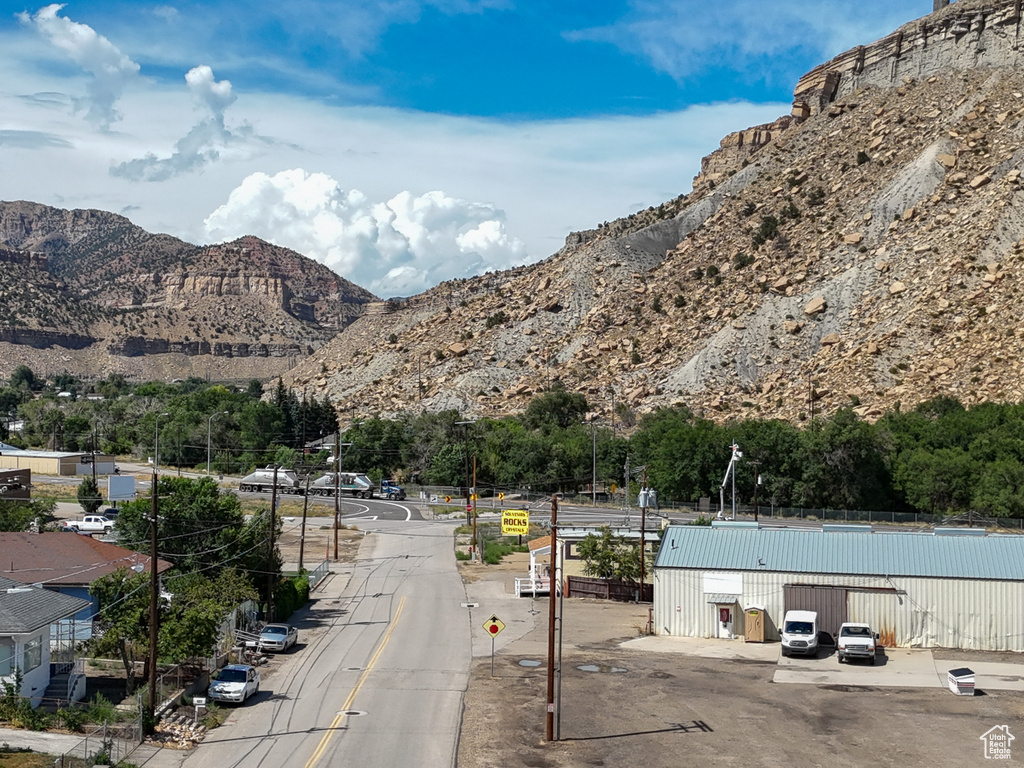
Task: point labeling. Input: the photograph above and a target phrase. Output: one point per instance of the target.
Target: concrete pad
(705, 647)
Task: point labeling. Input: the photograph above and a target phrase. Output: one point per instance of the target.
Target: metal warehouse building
(952, 588)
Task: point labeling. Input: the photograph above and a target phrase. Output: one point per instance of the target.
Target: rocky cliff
(93, 288)
(864, 252)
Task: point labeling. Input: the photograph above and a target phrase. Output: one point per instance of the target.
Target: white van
(800, 633)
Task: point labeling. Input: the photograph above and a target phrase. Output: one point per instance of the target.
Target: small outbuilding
(61, 463)
(951, 588)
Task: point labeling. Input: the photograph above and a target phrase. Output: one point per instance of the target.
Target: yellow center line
(322, 746)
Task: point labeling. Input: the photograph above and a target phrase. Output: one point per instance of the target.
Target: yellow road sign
(515, 521)
(494, 625)
(501, 497)
(473, 497)
(447, 499)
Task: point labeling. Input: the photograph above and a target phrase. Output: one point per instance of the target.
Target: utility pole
(475, 547)
(593, 480)
(270, 559)
(550, 718)
(337, 487)
(757, 481)
(154, 597)
(305, 507)
(644, 495)
(626, 483)
(94, 457)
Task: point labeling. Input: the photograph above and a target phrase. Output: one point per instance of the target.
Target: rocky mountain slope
(89, 292)
(863, 251)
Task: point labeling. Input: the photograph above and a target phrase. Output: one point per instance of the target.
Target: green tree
(191, 622)
(202, 529)
(123, 619)
(23, 378)
(89, 495)
(612, 557)
(16, 516)
(555, 408)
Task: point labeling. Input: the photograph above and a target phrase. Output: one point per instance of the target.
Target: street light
(156, 444)
(593, 482)
(209, 427)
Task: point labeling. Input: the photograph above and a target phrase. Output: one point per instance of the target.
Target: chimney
(938, 5)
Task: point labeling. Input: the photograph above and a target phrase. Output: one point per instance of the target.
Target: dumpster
(961, 681)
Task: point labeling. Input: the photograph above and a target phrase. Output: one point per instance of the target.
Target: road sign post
(493, 625)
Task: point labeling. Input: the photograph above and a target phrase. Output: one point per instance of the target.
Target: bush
(862, 157)
(290, 595)
(498, 318)
(679, 301)
(768, 230)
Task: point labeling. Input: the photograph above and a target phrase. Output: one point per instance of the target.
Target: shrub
(679, 301)
(768, 230)
(498, 318)
(742, 260)
(862, 157)
(656, 305)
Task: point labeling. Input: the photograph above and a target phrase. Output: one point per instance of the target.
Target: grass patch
(495, 549)
(13, 757)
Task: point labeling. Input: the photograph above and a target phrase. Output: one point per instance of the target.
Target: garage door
(828, 601)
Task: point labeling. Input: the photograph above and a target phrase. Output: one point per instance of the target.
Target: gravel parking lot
(628, 705)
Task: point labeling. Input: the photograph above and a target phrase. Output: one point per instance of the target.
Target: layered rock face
(93, 283)
(967, 35)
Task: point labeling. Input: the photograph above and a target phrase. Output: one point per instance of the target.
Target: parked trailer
(262, 481)
(348, 483)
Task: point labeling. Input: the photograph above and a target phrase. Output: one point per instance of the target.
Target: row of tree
(938, 458)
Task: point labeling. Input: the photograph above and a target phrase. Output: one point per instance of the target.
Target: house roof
(57, 559)
(25, 609)
(938, 555)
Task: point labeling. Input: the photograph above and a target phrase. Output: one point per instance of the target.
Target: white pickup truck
(90, 524)
(855, 641)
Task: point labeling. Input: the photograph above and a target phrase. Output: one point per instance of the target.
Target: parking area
(663, 702)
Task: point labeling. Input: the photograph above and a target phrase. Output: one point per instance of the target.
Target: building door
(829, 602)
(726, 617)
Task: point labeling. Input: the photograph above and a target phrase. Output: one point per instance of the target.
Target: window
(6, 657)
(33, 654)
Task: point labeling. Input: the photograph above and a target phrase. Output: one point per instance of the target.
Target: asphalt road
(380, 672)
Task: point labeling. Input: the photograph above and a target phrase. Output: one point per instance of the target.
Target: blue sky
(401, 142)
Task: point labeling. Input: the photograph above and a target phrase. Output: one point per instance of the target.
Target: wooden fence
(609, 589)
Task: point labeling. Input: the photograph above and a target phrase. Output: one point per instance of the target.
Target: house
(26, 616)
(570, 562)
(67, 563)
(950, 588)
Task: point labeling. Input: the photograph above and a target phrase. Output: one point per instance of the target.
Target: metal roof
(821, 551)
(25, 609)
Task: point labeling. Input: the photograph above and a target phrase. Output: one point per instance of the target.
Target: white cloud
(111, 70)
(684, 38)
(204, 142)
(397, 247)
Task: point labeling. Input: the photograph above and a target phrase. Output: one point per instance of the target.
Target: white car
(856, 641)
(278, 637)
(235, 683)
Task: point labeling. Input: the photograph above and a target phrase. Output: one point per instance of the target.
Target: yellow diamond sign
(515, 522)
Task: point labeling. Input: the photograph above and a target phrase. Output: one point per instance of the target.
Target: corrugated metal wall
(910, 612)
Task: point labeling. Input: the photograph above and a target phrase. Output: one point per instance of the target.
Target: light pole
(209, 428)
(593, 482)
(156, 444)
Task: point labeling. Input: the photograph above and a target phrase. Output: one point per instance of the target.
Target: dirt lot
(663, 710)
